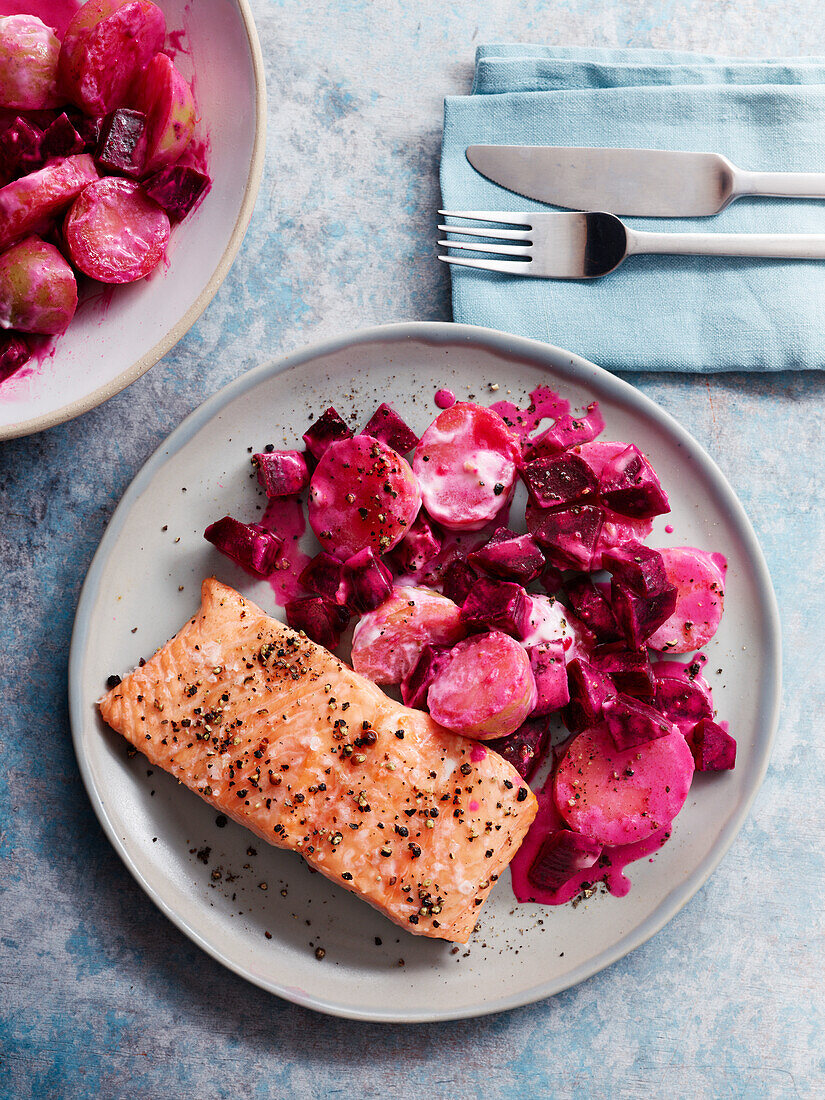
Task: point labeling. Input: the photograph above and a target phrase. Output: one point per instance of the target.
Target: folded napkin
(661, 313)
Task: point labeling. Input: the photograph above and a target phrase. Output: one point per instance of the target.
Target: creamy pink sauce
(286, 519)
(545, 404)
(669, 528)
(608, 868)
(444, 399)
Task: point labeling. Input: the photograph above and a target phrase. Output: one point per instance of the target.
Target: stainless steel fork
(585, 246)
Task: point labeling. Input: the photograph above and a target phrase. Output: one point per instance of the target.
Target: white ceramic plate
(144, 582)
(115, 339)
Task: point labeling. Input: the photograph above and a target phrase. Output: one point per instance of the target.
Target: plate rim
(438, 332)
(253, 181)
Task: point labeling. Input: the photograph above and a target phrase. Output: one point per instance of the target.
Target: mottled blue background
(100, 996)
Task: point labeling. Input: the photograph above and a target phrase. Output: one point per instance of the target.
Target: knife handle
(780, 246)
(783, 185)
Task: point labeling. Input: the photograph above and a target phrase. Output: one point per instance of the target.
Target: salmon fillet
(280, 735)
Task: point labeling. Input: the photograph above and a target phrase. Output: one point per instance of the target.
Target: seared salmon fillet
(280, 735)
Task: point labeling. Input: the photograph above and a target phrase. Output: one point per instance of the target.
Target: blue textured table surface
(100, 996)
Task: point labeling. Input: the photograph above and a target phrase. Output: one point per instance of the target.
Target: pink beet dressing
(286, 519)
(545, 404)
(608, 868)
(445, 399)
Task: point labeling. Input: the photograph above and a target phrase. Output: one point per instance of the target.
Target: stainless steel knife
(655, 183)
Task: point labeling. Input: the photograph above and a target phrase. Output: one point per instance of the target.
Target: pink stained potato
(362, 494)
(30, 204)
(466, 464)
(28, 64)
(38, 290)
(700, 600)
(619, 796)
(115, 233)
(167, 101)
(387, 642)
(107, 44)
(485, 688)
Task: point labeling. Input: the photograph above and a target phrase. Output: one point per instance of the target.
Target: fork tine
(506, 267)
(496, 234)
(490, 216)
(496, 249)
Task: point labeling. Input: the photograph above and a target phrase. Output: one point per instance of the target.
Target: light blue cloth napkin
(663, 313)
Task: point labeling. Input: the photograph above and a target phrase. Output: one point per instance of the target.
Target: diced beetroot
(367, 581)
(629, 485)
(497, 604)
(638, 567)
(362, 493)
(250, 545)
(714, 750)
(700, 599)
(568, 535)
(167, 101)
(38, 290)
(88, 126)
(20, 150)
(562, 855)
(629, 670)
(14, 353)
(418, 547)
(416, 683)
(568, 431)
(114, 232)
(320, 619)
(178, 189)
(385, 424)
(29, 51)
(589, 688)
(632, 722)
(324, 575)
(457, 580)
(387, 642)
(107, 44)
(61, 139)
(559, 479)
(466, 464)
(511, 556)
(485, 687)
(328, 428)
(121, 148)
(619, 796)
(28, 205)
(683, 702)
(526, 748)
(593, 608)
(550, 674)
(551, 579)
(640, 616)
(618, 531)
(281, 473)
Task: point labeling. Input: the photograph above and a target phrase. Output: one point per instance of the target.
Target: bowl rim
(180, 328)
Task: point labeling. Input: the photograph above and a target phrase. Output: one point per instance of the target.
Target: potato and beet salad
(96, 161)
(551, 645)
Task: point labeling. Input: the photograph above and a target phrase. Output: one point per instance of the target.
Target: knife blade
(656, 183)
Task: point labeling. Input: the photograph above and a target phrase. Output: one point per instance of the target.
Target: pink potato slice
(167, 101)
(362, 494)
(388, 641)
(618, 796)
(28, 64)
(466, 464)
(29, 205)
(485, 688)
(38, 290)
(115, 233)
(107, 44)
(700, 599)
